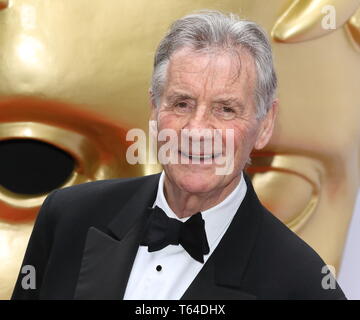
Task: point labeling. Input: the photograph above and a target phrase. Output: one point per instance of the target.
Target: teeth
(204, 157)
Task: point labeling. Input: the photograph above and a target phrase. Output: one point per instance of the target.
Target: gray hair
(213, 29)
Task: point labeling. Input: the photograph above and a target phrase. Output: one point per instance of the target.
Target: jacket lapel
(108, 256)
(222, 275)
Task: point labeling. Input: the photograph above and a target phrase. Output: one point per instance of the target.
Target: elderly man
(189, 232)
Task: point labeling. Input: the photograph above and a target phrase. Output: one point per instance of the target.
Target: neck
(185, 204)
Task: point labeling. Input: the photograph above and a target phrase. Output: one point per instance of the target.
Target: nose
(199, 119)
(198, 131)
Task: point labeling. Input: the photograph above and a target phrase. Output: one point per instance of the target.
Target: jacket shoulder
(292, 263)
(97, 197)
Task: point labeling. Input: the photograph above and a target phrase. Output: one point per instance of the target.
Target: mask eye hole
(32, 167)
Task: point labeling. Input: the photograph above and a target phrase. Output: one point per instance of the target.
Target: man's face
(210, 91)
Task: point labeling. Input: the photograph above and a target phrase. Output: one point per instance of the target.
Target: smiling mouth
(200, 157)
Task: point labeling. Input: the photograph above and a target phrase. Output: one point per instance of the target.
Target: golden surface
(354, 28)
(76, 73)
(303, 19)
(4, 4)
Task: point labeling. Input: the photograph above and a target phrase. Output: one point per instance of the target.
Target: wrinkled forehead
(216, 68)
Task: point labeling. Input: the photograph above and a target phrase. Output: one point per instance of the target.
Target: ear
(152, 105)
(267, 126)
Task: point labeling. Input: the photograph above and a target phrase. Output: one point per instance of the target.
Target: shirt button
(158, 268)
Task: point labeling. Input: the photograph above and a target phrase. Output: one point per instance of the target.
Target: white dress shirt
(166, 274)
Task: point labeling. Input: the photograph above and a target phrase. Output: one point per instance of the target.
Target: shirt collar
(217, 218)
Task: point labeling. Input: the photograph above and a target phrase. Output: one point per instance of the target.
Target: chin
(196, 186)
(194, 181)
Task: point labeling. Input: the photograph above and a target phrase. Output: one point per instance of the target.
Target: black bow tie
(160, 231)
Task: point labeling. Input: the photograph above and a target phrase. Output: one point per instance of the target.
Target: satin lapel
(108, 256)
(222, 275)
(106, 265)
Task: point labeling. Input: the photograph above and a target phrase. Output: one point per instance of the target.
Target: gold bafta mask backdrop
(74, 77)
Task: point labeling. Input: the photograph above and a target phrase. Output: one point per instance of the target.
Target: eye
(224, 112)
(182, 107)
(228, 109)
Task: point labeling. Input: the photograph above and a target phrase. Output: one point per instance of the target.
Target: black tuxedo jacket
(86, 237)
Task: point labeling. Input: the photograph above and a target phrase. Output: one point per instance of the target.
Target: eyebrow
(179, 95)
(231, 101)
(226, 101)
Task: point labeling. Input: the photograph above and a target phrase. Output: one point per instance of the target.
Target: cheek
(169, 121)
(244, 139)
